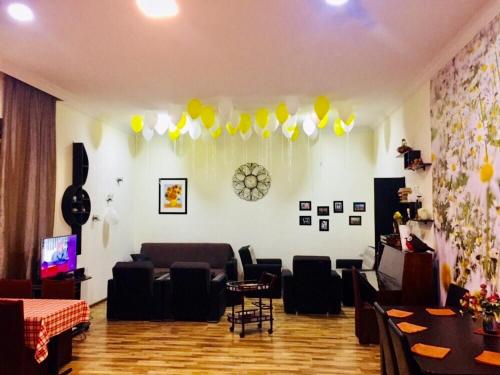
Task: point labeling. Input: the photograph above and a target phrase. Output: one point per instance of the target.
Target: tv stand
(79, 279)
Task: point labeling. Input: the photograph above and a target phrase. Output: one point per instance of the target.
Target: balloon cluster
(196, 116)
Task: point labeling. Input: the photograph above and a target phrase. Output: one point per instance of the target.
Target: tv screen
(58, 255)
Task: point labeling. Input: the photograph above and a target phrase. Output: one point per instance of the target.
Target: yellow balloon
(324, 121)
(337, 127)
(137, 123)
(232, 130)
(245, 122)
(208, 116)
(216, 133)
(262, 117)
(194, 108)
(295, 134)
(182, 121)
(351, 119)
(282, 113)
(322, 106)
(174, 135)
(266, 134)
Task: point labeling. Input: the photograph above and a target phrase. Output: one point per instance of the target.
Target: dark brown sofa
(220, 256)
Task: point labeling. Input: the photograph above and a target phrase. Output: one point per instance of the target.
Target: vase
(489, 323)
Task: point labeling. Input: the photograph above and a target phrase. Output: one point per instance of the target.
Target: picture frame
(172, 196)
(305, 206)
(355, 220)
(324, 225)
(323, 210)
(305, 220)
(338, 207)
(359, 206)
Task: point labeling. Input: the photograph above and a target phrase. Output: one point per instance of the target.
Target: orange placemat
(441, 312)
(430, 351)
(410, 328)
(489, 358)
(395, 313)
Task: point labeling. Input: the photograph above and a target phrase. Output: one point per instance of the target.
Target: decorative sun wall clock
(251, 182)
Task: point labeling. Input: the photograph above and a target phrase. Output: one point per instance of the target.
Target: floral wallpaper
(465, 128)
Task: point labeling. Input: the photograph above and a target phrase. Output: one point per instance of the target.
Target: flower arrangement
(479, 303)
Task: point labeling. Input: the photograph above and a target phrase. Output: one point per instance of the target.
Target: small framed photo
(354, 220)
(323, 210)
(338, 207)
(305, 206)
(305, 220)
(324, 225)
(359, 206)
(172, 196)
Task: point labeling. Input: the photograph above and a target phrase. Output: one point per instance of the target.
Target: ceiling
(112, 61)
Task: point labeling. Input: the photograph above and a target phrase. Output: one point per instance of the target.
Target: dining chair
(12, 338)
(10, 288)
(404, 358)
(455, 293)
(387, 358)
(58, 289)
(365, 321)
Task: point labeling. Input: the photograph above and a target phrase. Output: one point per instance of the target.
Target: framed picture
(172, 196)
(305, 220)
(338, 207)
(359, 206)
(354, 220)
(323, 210)
(324, 225)
(305, 205)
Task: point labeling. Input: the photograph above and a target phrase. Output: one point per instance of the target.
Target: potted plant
(480, 304)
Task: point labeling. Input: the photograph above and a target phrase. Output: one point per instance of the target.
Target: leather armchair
(195, 295)
(345, 267)
(133, 294)
(254, 271)
(313, 288)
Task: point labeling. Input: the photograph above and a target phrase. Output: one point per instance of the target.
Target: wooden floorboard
(299, 345)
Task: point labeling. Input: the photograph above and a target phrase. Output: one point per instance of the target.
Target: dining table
(45, 319)
(459, 332)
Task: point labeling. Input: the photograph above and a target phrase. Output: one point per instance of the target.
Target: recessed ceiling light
(158, 8)
(20, 12)
(337, 3)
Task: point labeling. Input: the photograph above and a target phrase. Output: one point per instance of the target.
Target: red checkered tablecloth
(45, 318)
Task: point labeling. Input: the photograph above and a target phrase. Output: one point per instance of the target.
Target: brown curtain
(27, 176)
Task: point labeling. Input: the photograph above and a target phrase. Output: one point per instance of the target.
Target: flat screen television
(58, 256)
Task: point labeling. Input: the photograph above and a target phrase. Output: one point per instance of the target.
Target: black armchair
(133, 294)
(253, 269)
(345, 267)
(313, 287)
(195, 295)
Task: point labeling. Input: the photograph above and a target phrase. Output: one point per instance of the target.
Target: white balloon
(111, 216)
(347, 128)
(150, 120)
(292, 103)
(147, 133)
(246, 136)
(309, 126)
(163, 123)
(175, 112)
(287, 125)
(194, 129)
(235, 118)
(226, 108)
(314, 136)
(273, 123)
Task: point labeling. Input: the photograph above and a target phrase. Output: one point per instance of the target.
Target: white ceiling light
(337, 3)
(20, 12)
(158, 8)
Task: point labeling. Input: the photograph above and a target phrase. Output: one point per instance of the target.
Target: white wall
(1, 94)
(110, 156)
(333, 169)
(412, 122)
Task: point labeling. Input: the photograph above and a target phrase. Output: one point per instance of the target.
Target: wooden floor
(300, 345)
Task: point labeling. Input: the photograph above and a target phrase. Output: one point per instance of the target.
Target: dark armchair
(196, 296)
(313, 288)
(254, 268)
(134, 294)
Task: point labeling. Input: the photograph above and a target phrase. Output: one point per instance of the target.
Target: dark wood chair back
(11, 338)
(10, 288)
(455, 293)
(387, 357)
(58, 289)
(404, 358)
